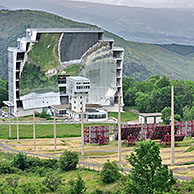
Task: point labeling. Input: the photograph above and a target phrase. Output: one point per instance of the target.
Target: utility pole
(82, 128)
(172, 126)
(34, 131)
(9, 121)
(18, 138)
(119, 127)
(55, 140)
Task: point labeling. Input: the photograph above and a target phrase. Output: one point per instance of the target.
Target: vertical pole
(34, 131)
(82, 129)
(172, 126)
(55, 140)
(9, 121)
(17, 129)
(119, 127)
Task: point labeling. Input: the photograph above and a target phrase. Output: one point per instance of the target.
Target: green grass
(45, 52)
(73, 70)
(44, 131)
(125, 116)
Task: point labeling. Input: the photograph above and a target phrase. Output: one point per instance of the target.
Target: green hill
(141, 60)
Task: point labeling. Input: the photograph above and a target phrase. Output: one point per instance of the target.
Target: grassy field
(44, 131)
(125, 116)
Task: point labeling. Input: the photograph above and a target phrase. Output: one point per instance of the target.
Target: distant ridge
(141, 60)
(2, 7)
(158, 26)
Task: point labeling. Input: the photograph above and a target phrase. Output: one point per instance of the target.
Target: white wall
(35, 100)
(149, 120)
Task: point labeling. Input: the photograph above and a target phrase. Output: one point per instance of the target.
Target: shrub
(20, 161)
(6, 168)
(43, 114)
(31, 187)
(12, 181)
(4, 189)
(73, 187)
(50, 163)
(68, 160)
(35, 163)
(110, 172)
(52, 181)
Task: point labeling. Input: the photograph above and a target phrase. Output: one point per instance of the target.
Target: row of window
(78, 83)
(102, 116)
(83, 87)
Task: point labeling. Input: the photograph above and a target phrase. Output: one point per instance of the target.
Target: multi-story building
(45, 59)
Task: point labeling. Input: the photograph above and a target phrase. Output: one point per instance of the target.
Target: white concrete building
(148, 118)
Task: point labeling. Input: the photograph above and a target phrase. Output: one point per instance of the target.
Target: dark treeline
(3, 91)
(154, 94)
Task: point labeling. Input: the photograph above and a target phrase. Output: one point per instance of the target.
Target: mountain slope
(141, 60)
(163, 26)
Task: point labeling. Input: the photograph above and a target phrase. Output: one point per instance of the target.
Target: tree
(68, 160)
(20, 161)
(163, 82)
(142, 101)
(110, 172)
(3, 91)
(188, 113)
(166, 115)
(148, 175)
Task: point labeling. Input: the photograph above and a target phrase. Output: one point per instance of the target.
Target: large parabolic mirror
(68, 53)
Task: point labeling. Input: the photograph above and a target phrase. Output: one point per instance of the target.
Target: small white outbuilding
(148, 118)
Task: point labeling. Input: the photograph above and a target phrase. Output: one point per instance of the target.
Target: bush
(6, 168)
(35, 164)
(52, 181)
(68, 160)
(73, 187)
(12, 181)
(110, 172)
(31, 187)
(20, 161)
(43, 114)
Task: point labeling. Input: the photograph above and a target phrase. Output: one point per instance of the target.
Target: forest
(154, 95)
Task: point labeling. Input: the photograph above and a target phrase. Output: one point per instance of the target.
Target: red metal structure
(186, 128)
(97, 134)
(129, 133)
(163, 132)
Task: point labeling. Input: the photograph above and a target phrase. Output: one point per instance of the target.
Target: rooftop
(67, 30)
(150, 114)
(116, 48)
(78, 78)
(61, 107)
(15, 49)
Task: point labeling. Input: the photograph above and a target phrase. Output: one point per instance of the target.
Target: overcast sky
(130, 3)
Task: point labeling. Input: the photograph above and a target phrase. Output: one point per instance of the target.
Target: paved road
(7, 148)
